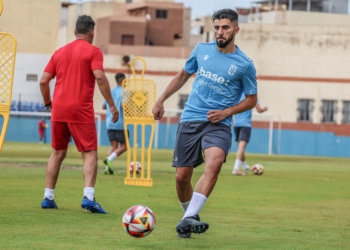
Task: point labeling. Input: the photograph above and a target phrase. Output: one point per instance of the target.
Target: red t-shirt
(72, 65)
(41, 125)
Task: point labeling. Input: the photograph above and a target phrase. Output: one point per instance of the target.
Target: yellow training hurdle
(139, 97)
(7, 67)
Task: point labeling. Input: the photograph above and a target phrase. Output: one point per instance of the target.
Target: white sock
(112, 156)
(89, 192)
(184, 206)
(237, 164)
(49, 193)
(245, 166)
(197, 202)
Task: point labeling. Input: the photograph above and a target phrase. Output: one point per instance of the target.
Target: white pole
(290, 5)
(271, 135)
(156, 136)
(330, 7)
(308, 5)
(276, 5)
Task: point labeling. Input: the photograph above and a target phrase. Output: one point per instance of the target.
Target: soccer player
(115, 131)
(41, 129)
(76, 66)
(223, 73)
(243, 127)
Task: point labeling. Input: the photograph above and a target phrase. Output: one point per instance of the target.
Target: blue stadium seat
(25, 106)
(31, 107)
(14, 106)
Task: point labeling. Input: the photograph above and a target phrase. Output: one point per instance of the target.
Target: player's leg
(187, 154)
(41, 136)
(114, 146)
(214, 158)
(119, 137)
(216, 142)
(60, 140)
(85, 138)
(236, 167)
(242, 145)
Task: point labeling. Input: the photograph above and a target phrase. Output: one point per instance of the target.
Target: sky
(207, 7)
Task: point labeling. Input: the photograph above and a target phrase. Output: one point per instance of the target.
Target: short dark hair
(225, 13)
(84, 24)
(119, 75)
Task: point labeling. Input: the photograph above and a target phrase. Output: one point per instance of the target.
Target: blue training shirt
(220, 81)
(243, 119)
(117, 97)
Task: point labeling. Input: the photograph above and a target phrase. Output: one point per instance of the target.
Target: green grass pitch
(299, 203)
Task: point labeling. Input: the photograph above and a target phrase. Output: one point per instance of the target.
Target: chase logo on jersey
(206, 57)
(232, 70)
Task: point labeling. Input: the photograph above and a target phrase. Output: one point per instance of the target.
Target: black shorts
(243, 133)
(116, 135)
(193, 137)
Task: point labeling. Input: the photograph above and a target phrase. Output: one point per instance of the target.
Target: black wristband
(48, 105)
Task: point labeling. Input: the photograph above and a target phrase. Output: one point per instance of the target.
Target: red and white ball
(139, 221)
(258, 169)
(138, 167)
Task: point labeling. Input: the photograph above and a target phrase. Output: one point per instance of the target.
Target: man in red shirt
(76, 66)
(41, 129)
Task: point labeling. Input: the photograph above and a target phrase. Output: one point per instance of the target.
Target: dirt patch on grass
(36, 165)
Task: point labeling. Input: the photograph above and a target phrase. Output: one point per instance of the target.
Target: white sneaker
(237, 172)
(246, 170)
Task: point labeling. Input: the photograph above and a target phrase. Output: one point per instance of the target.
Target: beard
(225, 43)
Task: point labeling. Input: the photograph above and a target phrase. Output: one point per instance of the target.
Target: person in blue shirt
(115, 131)
(242, 124)
(223, 73)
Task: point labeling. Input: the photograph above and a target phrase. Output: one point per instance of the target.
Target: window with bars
(305, 110)
(161, 14)
(182, 101)
(346, 112)
(329, 111)
(32, 78)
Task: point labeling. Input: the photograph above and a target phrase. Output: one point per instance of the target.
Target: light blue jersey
(220, 81)
(117, 97)
(243, 119)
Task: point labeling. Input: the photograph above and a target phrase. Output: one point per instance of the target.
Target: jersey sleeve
(50, 67)
(249, 80)
(97, 60)
(191, 65)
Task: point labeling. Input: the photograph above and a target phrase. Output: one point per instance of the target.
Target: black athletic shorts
(243, 133)
(116, 135)
(193, 137)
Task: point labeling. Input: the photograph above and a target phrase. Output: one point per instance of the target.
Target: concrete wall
(34, 23)
(299, 18)
(29, 64)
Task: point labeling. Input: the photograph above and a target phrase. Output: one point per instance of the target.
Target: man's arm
(45, 88)
(103, 85)
(176, 83)
(260, 109)
(248, 103)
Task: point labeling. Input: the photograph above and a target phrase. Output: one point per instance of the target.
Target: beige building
(34, 23)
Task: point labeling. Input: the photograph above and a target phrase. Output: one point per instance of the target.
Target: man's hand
(158, 110)
(215, 116)
(115, 113)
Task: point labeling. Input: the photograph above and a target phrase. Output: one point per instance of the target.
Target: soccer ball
(139, 221)
(258, 169)
(138, 167)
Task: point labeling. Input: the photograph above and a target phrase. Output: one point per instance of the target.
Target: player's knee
(59, 154)
(182, 178)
